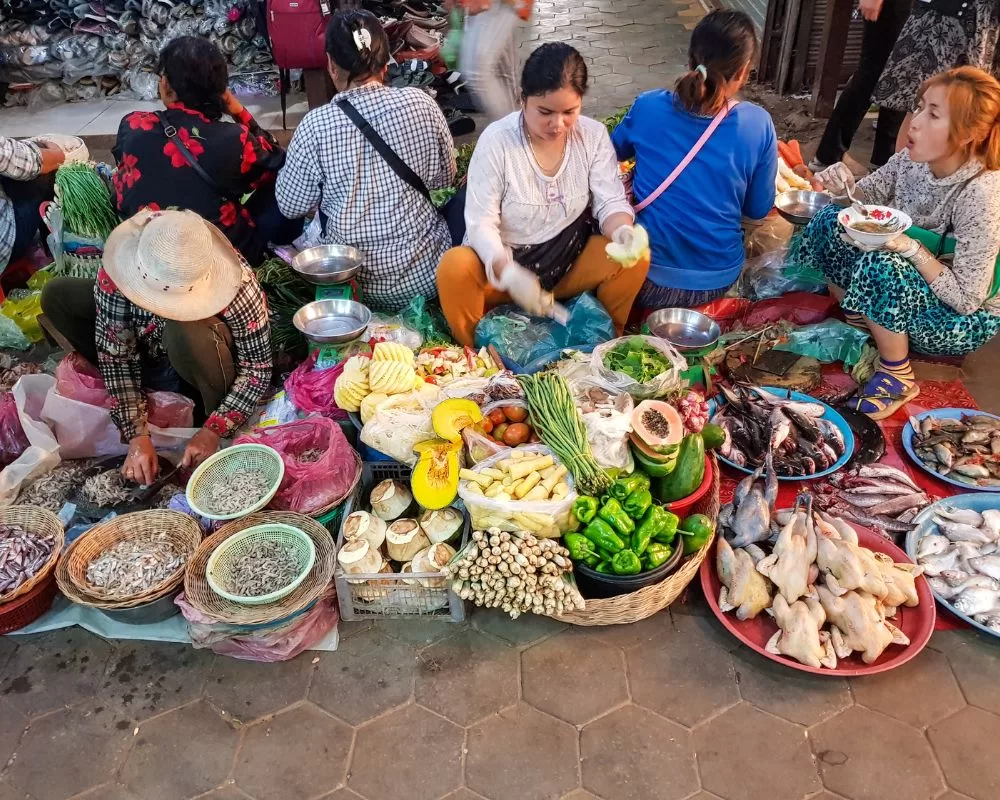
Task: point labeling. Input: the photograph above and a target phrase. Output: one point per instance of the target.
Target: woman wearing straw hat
(175, 307)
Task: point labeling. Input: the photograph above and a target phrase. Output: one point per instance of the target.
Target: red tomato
(496, 416)
(486, 425)
(516, 433)
(515, 413)
(499, 431)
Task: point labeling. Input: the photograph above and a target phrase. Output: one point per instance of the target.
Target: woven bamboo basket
(181, 530)
(73, 594)
(199, 594)
(41, 521)
(628, 608)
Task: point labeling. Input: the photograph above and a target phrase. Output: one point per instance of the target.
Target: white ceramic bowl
(881, 214)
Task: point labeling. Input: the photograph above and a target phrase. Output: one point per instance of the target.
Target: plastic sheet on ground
(827, 342)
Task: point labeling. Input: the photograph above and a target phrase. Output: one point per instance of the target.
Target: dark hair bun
(722, 45)
(196, 70)
(357, 43)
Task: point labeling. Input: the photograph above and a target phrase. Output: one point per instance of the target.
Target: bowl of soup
(880, 226)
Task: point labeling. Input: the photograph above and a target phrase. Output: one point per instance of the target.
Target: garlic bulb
(442, 525)
(390, 500)
(362, 525)
(404, 539)
(357, 557)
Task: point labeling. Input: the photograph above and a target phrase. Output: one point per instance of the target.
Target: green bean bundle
(560, 426)
(286, 293)
(85, 201)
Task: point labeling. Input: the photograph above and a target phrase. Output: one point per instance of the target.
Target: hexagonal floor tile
(301, 752)
(795, 696)
(419, 633)
(745, 753)
(859, 748)
(632, 754)
(919, 692)
(52, 670)
(225, 793)
(343, 794)
(248, 690)
(580, 794)
(464, 794)
(109, 791)
(975, 660)
(409, 753)
(687, 676)
(369, 675)
(522, 754)
(966, 747)
(146, 678)
(526, 629)
(8, 644)
(467, 677)
(65, 753)
(181, 754)
(574, 676)
(657, 627)
(12, 725)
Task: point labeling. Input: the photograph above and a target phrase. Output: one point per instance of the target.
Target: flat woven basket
(221, 469)
(179, 529)
(220, 564)
(628, 608)
(199, 594)
(43, 522)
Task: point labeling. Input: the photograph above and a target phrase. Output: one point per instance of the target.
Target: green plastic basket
(220, 468)
(220, 563)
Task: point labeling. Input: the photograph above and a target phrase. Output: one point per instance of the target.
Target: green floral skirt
(888, 290)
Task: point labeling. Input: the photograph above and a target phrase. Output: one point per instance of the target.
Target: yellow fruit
(435, 477)
(369, 404)
(393, 351)
(390, 377)
(451, 416)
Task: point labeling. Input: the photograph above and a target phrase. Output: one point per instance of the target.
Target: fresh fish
(885, 471)
(897, 505)
(947, 591)
(987, 565)
(865, 500)
(982, 419)
(977, 600)
(831, 435)
(932, 545)
(960, 532)
(955, 514)
(908, 516)
(941, 563)
(972, 470)
(781, 428)
(991, 619)
(991, 523)
(883, 487)
(976, 435)
(944, 455)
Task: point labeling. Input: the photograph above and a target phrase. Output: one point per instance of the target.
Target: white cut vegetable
(433, 559)
(442, 525)
(404, 539)
(362, 525)
(390, 500)
(357, 557)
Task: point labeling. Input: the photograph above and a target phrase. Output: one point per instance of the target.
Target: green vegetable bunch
(286, 293)
(638, 360)
(85, 201)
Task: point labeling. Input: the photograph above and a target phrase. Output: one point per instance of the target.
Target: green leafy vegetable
(638, 360)
(613, 121)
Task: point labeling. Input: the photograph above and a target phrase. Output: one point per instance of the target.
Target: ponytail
(700, 92)
(991, 147)
(722, 46)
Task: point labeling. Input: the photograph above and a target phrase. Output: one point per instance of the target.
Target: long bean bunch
(85, 201)
(286, 293)
(560, 426)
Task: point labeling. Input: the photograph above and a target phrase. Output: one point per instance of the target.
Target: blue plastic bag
(523, 339)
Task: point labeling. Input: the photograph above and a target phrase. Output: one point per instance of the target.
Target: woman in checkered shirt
(362, 201)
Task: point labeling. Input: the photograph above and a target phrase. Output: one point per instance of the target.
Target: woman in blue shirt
(694, 225)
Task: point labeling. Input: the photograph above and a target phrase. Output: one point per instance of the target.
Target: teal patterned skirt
(888, 290)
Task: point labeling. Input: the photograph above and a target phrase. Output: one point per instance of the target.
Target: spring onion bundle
(286, 293)
(85, 201)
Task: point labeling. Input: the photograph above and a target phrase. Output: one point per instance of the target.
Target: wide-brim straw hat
(173, 264)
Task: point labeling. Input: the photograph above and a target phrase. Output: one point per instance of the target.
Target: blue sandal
(883, 396)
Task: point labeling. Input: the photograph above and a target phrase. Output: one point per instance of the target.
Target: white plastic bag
(608, 427)
(401, 422)
(617, 382)
(42, 455)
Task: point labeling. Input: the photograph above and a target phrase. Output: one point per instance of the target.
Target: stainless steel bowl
(799, 207)
(685, 328)
(332, 321)
(328, 264)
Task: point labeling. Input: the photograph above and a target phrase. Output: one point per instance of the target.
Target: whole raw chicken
(856, 623)
(900, 581)
(847, 565)
(790, 565)
(799, 634)
(743, 588)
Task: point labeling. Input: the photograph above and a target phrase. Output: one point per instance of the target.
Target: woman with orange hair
(947, 180)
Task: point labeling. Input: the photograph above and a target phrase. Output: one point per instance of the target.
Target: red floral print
(129, 170)
(228, 214)
(177, 160)
(143, 121)
(249, 153)
(105, 284)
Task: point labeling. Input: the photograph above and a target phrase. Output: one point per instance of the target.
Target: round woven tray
(627, 608)
(43, 522)
(181, 530)
(199, 594)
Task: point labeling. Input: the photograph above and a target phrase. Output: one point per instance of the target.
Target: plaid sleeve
(248, 321)
(118, 358)
(20, 161)
(297, 188)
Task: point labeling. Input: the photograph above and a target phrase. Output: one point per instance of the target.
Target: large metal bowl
(686, 329)
(328, 264)
(799, 207)
(332, 321)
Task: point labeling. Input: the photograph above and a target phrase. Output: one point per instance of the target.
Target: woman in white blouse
(538, 179)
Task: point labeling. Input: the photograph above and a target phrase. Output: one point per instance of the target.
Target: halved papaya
(657, 457)
(435, 477)
(658, 425)
(654, 469)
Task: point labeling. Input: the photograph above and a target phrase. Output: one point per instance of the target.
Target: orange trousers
(466, 295)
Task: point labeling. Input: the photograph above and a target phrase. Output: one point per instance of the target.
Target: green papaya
(654, 469)
(688, 472)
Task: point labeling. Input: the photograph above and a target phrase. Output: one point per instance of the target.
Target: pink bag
(310, 486)
(311, 390)
(13, 442)
(78, 379)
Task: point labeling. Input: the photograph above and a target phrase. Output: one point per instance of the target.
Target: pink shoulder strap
(715, 123)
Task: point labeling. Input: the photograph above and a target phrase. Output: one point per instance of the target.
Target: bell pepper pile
(625, 532)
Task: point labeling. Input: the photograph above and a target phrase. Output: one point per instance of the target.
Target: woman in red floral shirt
(237, 157)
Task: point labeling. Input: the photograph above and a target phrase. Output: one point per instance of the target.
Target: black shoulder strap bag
(182, 148)
(453, 211)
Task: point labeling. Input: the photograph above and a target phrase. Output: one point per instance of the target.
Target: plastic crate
(387, 594)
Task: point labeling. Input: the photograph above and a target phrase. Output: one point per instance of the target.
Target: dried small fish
(22, 554)
(242, 489)
(106, 489)
(310, 456)
(265, 568)
(135, 565)
(55, 487)
(10, 374)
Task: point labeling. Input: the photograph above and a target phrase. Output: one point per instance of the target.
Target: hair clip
(362, 39)
(703, 71)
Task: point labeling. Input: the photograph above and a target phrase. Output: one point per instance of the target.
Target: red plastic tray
(917, 623)
(680, 507)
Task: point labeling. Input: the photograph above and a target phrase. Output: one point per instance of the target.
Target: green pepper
(656, 554)
(650, 525)
(604, 536)
(695, 530)
(668, 526)
(579, 546)
(603, 567)
(637, 503)
(585, 508)
(626, 563)
(613, 513)
(624, 486)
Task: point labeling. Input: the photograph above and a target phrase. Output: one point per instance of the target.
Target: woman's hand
(835, 179)
(52, 157)
(629, 245)
(202, 445)
(141, 464)
(525, 289)
(231, 104)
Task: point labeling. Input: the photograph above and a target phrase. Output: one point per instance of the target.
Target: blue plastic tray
(830, 414)
(943, 413)
(977, 501)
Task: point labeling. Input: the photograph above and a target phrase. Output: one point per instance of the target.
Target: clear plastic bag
(384, 328)
(778, 272)
(618, 382)
(42, 455)
(310, 486)
(544, 518)
(478, 447)
(311, 389)
(401, 422)
(827, 342)
(13, 442)
(608, 426)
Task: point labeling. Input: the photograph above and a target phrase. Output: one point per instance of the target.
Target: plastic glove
(525, 290)
(836, 179)
(628, 246)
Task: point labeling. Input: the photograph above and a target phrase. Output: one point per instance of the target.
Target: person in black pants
(884, 20)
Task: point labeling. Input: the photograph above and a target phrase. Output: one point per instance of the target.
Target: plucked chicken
(857, 623)
(743, 588)
(799, 633)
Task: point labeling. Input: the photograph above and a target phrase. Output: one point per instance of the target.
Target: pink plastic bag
(311, 390)
(78, 379)
(13, 442)
(310, 486)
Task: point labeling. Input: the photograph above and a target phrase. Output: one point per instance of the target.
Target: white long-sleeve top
(510, 203)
